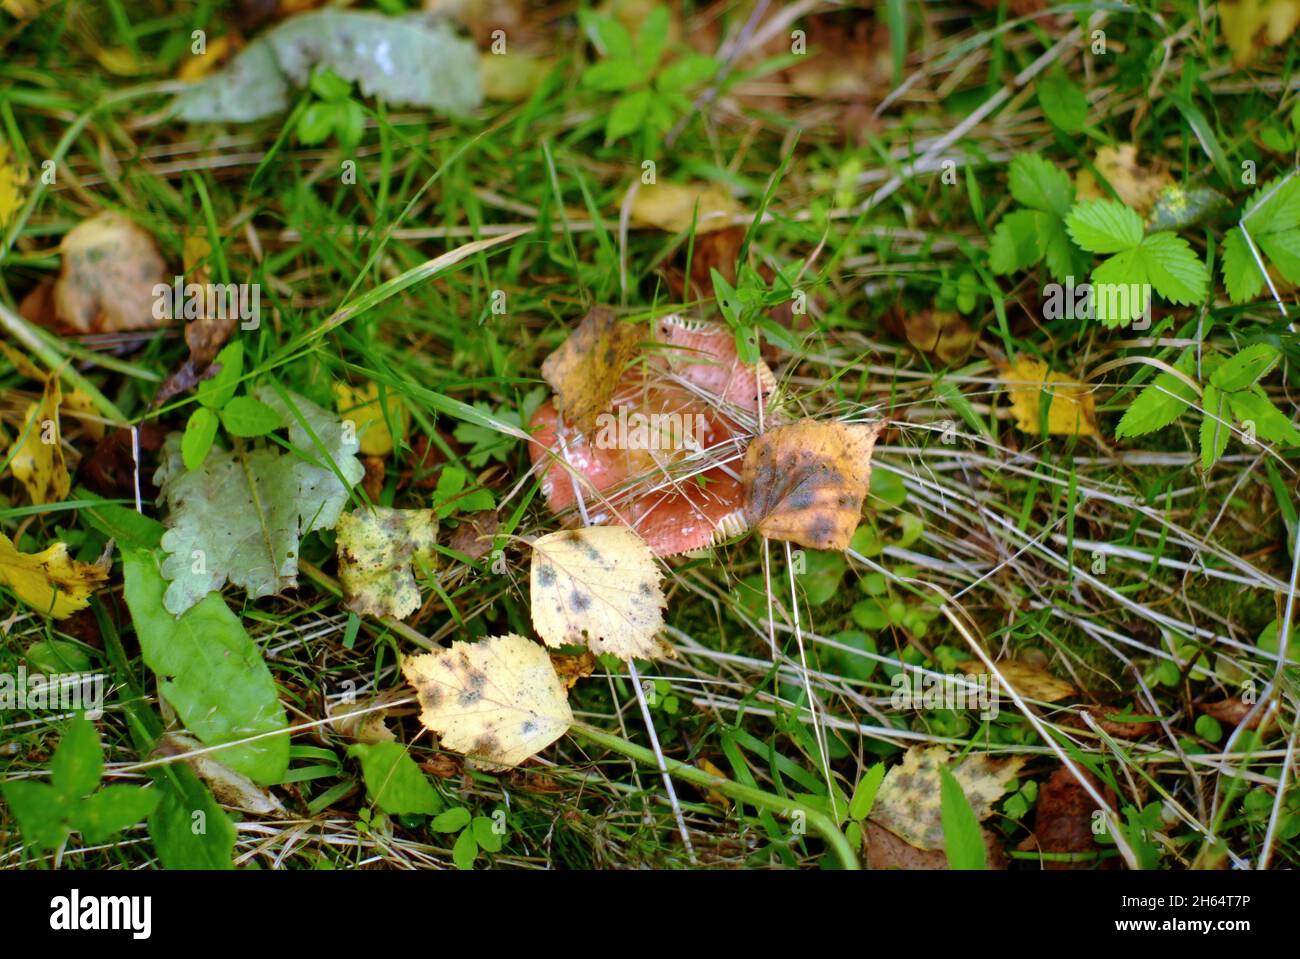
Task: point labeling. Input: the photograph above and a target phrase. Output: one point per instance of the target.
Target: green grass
(349, 295)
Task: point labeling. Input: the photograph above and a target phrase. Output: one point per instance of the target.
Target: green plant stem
(746, 794)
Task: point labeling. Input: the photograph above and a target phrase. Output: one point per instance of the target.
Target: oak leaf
(805, 482)
(597, 587)
(497, 700)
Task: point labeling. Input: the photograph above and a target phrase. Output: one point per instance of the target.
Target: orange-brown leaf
(585, 369)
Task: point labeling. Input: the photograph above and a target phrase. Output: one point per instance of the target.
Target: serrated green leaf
(627, 115)
(1015, 244)
(1214, 425)
(1063, 103)
(1172, 267)
(1040, 185)
(394, 782)
(210, 671)
(686, 73)
(1162, 401)
(609, 76)
(1247, 368)
(651, 38)
(1104, 226)
(1270, 423)
(1120, 293)
(1242, 276)
(963, 840)
(200, 432)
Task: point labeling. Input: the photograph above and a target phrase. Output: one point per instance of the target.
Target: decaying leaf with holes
(908, 803)
(597, 587)
(497, 700)
(585, 370)
(36, 455)
(1028, 681)
(805, 482)
(51, 582)
(110, 269)
(377, 549)
(1071, 412)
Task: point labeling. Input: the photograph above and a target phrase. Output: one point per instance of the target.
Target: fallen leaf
(12, 180)
(805, 482)
(1138, 186)
(1232, 711)
(240, 516)
(887, 851)
(512, 77)
(907, 803)
(1071, 412)
(229, 787)
(1251, 26)
(584, 371)
(497, 700)
(79, 406)
(217, 51)
(570, 669)
(474, 536)
(204, 335)
(946, 335)
(597, 587)
(1028, 681)
(36, 455)
(51, 582)
(361, 721)
(404, 61)
(361, 405)
(110, 268)
(711, 795)
(377, 548)
(673, 207)
(111, 470)
(1063, 819)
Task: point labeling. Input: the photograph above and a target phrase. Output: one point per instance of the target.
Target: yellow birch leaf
(908, 803)
(77, 402)
(805, 482)
(1029, 681)
(361, 405)
(50, 582)
(376, 548)
(497, 700)
(1071, 412)
(597, 587)
(672, 207)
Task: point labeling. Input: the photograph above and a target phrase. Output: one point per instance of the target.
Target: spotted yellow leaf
(361, 405)
(1071, 412)
(51, 582)
(1028, 681)
(597, 587)
(584, 370)
(498, 700)
(908, 802)
(672, 207)
(376, 549)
